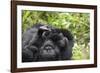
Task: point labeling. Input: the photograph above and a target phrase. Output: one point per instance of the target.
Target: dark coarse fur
(46, 43)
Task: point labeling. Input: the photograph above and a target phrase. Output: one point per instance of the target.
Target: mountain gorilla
(46, 43)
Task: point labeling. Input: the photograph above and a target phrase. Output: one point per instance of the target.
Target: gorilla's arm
(27, 39)
(68, 49)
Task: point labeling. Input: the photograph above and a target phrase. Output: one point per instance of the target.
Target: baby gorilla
(46, 43)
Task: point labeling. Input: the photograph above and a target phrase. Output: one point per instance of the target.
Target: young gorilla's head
(53, 45)
(47, 44)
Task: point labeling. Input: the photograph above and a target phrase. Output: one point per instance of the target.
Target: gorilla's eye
(55, 37)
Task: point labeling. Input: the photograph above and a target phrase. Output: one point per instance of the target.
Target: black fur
(46, 43)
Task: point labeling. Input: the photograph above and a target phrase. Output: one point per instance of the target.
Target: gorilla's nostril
(48, 47)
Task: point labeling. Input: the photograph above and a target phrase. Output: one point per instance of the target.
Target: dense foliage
(77, 23)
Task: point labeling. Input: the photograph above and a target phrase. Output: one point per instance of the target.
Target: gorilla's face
(49, 50)
(45, 43)
(52, 45)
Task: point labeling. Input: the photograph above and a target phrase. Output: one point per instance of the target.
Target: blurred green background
(77, 23)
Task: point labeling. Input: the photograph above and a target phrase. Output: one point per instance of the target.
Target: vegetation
(77, 23)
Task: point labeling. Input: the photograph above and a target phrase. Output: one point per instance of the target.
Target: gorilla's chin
(47, 52)
(47, 57)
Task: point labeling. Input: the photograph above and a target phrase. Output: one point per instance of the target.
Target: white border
(55, 63)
